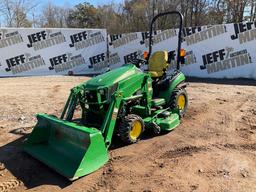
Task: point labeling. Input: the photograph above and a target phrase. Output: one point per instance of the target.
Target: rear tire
(179, 100)
(131, 128)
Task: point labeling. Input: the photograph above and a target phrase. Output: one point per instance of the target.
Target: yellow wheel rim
(181, 102)
(136, 130)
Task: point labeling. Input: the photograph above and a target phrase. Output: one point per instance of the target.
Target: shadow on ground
(27, 169)
(33, 173)
(117, 142)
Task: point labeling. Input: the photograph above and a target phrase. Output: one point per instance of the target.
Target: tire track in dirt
(52, 92)
(112, 175)
(190, 150)
(8, 185)
(200, 109)
(2, 166)
(240, 147)
(105, 180)
(250, 121)
(246, 119)
(2, 169)
(183, 151)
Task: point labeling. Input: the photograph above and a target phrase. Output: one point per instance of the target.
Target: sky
(64, 3)
(75, 2)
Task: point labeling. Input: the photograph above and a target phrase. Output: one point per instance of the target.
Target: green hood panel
(112, 77)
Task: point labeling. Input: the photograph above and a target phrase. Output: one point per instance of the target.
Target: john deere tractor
(124, 101)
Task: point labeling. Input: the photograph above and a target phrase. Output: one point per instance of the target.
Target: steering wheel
(139, 62)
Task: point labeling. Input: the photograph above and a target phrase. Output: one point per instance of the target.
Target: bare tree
(129, 16)
(111, 18)
(15, 12)
(252, 5)
(53, 16)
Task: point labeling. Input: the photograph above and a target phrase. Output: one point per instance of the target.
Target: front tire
(131, 128)
(179, 100)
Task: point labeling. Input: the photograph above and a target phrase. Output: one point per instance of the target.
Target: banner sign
(25, 52)
(219, 51)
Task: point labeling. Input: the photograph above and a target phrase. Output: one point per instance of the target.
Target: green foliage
(84, 15)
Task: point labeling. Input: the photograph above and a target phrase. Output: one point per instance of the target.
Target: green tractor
(124, 101)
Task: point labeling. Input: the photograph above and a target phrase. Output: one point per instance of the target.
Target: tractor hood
(112, 77)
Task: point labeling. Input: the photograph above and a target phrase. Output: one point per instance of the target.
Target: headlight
(91, 95)
(102, 91)
(103, 94)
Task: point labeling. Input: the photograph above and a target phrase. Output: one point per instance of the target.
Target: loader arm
(70, 105)
(127, 91)
(110, 118)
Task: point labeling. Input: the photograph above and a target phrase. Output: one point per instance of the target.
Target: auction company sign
(26, 52)
(219, 51)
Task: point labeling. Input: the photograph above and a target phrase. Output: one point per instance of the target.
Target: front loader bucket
(70, 149)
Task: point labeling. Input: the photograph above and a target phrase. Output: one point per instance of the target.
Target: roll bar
(179, 35)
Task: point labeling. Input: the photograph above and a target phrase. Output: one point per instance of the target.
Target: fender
(183, 85)
(176, 80)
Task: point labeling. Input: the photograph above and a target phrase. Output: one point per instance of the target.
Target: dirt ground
(214, 149)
